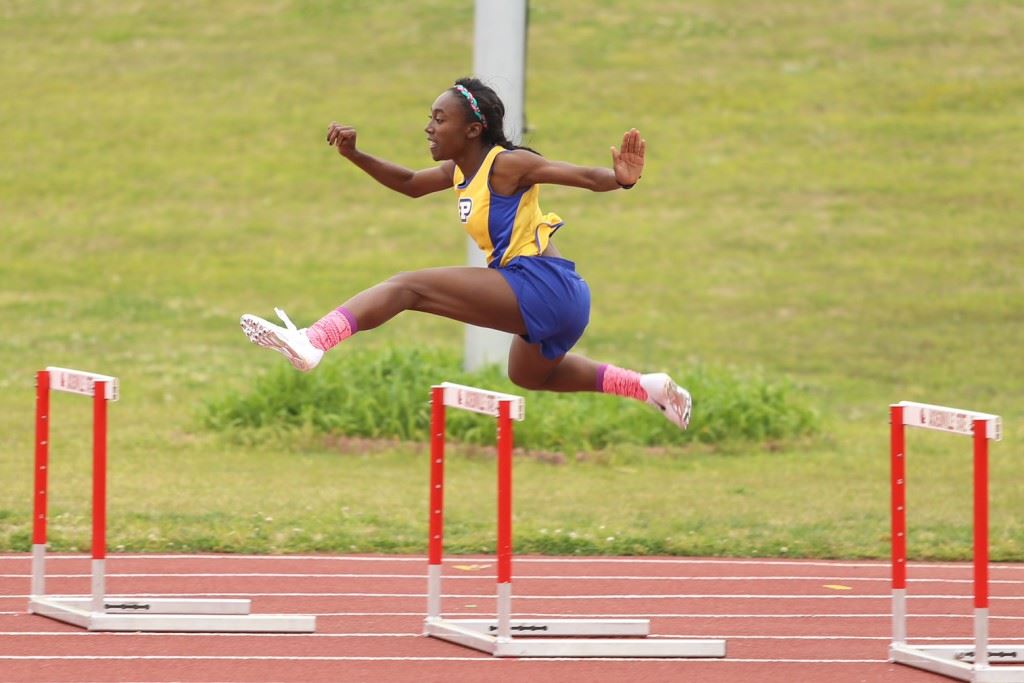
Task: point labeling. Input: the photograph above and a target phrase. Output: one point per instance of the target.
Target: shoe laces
(286, 320)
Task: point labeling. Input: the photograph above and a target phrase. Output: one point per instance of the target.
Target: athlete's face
(448, 131)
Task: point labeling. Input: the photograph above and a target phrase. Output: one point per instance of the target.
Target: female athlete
(526, 289)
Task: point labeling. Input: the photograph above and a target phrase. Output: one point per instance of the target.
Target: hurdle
(964, 662)
(551, 637)
(98, 611)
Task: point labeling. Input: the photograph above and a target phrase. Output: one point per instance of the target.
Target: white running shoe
(672, 400)
(291, 342)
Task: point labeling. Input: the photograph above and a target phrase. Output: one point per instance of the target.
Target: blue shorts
(553, 299)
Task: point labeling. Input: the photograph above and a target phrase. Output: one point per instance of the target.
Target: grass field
(832, 198)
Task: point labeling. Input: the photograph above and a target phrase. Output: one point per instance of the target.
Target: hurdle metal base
(957, 661)
(569, 638)
(132, 613)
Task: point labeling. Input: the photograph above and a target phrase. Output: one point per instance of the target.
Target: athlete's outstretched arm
(398, 178)
(528, 169)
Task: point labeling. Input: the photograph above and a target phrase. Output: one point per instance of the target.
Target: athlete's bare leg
(528, 368)
(482, 297)
(477, 296)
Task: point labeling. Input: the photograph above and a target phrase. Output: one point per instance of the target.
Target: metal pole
(499, 59)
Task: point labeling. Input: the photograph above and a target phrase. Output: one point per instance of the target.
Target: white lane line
(666, 636)
(879, 564)
(635, 596)
(914, 639)
(481, 658)
(171, 634)
(671, 615)
(465, 576)
(650, 615)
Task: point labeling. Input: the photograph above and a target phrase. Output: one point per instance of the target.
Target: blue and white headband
(472, 103)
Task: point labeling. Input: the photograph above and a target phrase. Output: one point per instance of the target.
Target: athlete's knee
(528, 378)
(402, 280)
(407, 285)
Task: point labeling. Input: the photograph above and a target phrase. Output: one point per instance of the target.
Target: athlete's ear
(475, 130)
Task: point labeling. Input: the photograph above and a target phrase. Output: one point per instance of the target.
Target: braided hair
(492, 113)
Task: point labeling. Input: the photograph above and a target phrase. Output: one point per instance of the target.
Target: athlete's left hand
(628, 163)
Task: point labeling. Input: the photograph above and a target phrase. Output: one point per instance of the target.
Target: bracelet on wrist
(630, 186)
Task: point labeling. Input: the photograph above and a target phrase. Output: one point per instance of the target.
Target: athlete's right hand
(343, 138)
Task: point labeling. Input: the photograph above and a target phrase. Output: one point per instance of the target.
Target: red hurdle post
(436, 541)
(599, 637)
(899, 524)
(505, 408)
(99, 492)
(980, 428)
(97, 612)
(39, 495)
(966, 662)
(102, 388)
(504, 550)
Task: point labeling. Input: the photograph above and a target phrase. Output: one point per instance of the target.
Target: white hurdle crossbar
(98, 611)
(561, 637)
(964, 662)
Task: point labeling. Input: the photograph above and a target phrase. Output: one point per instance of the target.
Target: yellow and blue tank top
(503, 226)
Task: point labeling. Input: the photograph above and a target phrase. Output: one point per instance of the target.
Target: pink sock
(615, 380)
(332, 329)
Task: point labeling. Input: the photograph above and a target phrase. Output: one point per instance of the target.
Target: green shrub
(385, 394)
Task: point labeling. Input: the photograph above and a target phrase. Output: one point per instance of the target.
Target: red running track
(791, 621)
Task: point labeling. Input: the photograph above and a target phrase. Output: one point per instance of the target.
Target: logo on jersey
(465, 208)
